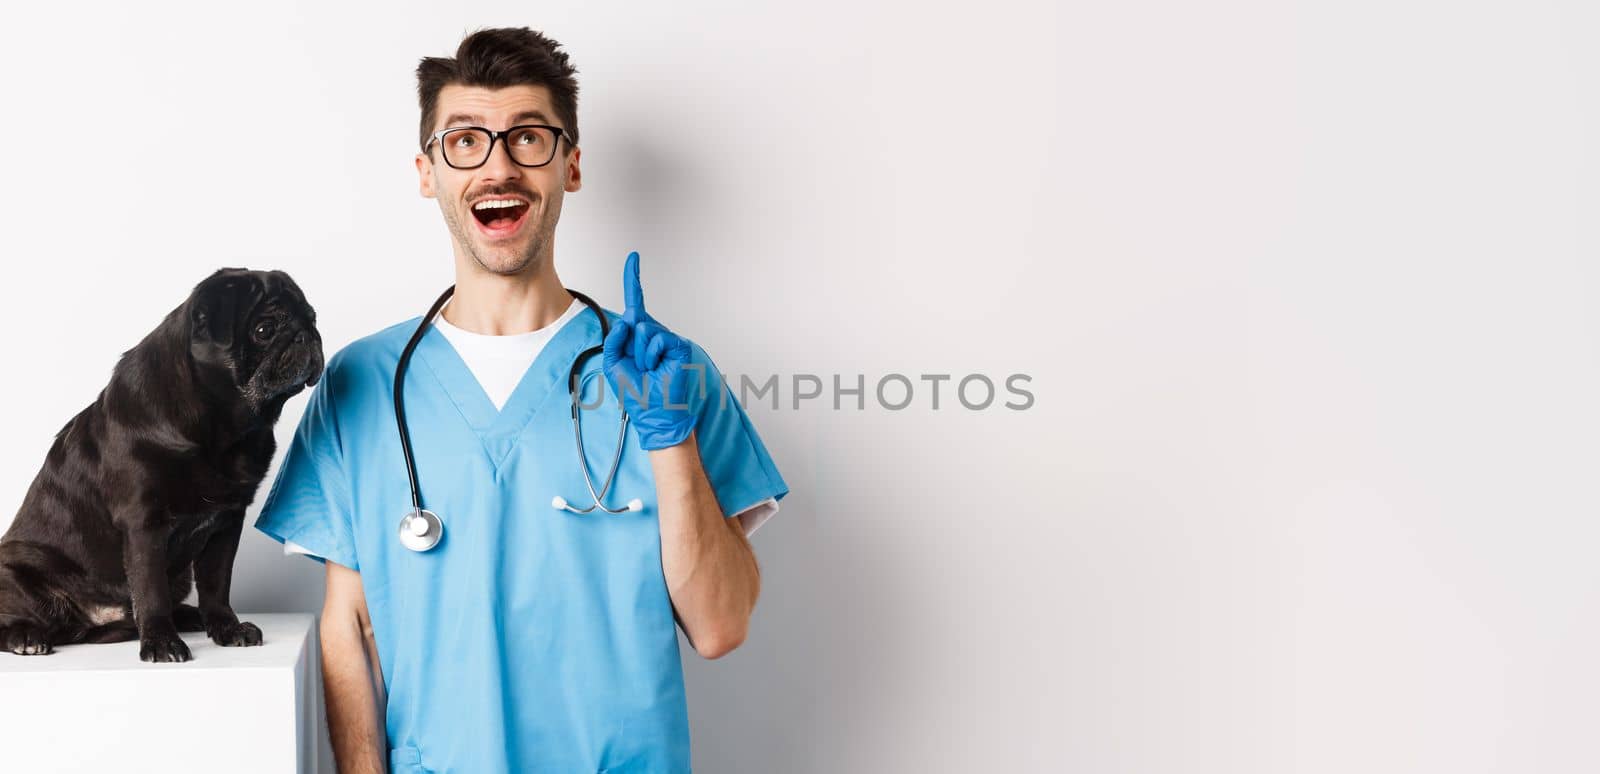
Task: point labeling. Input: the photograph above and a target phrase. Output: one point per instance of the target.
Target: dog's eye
(264, 329)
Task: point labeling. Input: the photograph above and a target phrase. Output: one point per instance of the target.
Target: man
(529, 638)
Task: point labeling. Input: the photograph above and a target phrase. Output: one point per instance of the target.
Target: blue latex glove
(645, 364)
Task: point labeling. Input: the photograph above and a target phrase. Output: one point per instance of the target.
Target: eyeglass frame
(494, 136)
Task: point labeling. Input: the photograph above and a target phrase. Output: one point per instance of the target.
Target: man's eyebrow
(468, 118)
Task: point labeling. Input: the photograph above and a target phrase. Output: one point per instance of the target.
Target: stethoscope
(421, 529)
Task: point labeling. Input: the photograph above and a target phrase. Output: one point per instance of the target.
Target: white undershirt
(498, 363)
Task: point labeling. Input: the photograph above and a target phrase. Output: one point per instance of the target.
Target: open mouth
(500, 217)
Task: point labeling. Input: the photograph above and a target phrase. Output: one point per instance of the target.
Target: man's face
(503, 240)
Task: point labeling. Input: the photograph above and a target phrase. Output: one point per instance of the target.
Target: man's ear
(574, 175)
(425, 176)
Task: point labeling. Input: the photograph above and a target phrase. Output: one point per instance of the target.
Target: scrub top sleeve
(309, 504)
(742, 473)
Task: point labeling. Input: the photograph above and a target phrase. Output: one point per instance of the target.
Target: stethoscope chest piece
(421, 530)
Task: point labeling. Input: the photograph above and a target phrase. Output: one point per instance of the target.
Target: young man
(523, 636)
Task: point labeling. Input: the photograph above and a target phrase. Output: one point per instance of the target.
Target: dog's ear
(215, 304)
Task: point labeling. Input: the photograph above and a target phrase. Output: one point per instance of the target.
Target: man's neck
(498, 305)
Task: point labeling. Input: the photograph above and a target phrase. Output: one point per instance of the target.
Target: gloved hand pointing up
(645, 364)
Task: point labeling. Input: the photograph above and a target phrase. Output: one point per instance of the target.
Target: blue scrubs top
(530, 639)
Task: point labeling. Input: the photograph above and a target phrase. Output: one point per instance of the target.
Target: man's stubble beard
(533, 257)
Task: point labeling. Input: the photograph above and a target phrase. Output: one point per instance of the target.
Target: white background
(1306, 291)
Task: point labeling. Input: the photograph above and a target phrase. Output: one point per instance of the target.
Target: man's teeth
(496, 204)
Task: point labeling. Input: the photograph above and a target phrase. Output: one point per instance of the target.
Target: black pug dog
(143, 493)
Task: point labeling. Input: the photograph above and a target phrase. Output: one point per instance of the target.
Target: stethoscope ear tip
(559, 503)
(635, 504)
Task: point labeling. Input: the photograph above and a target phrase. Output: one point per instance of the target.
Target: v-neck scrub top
(530, 639)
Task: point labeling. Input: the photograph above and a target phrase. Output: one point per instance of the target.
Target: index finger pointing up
(632, 294)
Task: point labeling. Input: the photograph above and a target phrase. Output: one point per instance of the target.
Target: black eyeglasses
(468, 147)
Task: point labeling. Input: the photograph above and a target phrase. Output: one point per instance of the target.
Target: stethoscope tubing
(420, 541)
(399, 390)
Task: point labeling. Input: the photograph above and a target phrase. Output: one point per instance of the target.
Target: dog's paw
(163, 646)
(26, 640)
(236, 634)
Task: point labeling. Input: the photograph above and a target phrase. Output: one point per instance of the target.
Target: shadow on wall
(671, 203)
(264, 578)
(826, 654)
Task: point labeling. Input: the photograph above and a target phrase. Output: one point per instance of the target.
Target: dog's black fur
(143, 493)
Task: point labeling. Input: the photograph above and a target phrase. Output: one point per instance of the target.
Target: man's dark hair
(495, 59)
